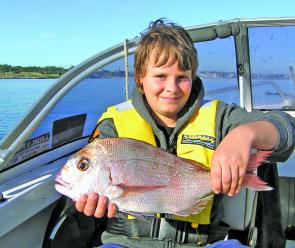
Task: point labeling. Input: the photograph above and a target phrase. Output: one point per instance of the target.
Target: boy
(168, 106)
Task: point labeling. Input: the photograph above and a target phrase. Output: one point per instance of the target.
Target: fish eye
(83, 164)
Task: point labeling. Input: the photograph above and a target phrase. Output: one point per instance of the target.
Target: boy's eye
(160, 76)
(183, 78)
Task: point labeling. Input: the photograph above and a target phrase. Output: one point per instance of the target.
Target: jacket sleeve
(107, 129)
(230, 116)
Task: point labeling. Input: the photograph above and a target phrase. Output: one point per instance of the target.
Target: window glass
(76, 114)
(217, 68)
(20, 87)
(17, 96)
(272, 57)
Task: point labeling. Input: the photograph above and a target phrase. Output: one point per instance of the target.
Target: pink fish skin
(141, 178)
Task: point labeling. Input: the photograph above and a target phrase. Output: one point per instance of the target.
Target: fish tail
(251, 180)
(257, 159)
(254, 182)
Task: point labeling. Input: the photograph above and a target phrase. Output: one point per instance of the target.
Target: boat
(246, 61)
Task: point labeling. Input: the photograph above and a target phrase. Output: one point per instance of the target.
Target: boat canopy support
(221, 30)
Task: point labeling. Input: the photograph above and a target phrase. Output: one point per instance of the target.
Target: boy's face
(167, 90)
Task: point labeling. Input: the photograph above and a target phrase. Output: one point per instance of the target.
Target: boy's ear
(141, 87)
(140, 82)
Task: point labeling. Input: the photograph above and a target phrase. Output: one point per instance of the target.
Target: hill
(8, 71)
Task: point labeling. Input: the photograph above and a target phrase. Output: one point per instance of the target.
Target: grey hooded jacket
(228, 117)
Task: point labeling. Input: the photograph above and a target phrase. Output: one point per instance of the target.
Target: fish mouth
(61, 183)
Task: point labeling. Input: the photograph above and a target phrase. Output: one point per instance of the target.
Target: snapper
(141, 178)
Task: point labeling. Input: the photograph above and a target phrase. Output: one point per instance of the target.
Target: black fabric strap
(215, 232)
(76, 235)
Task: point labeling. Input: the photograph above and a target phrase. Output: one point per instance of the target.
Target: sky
(66, 32)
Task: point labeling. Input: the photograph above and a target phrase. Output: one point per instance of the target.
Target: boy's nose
(171, 85)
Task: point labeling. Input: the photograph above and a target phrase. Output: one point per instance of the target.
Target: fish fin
(197, 164)
(113, 192)
(197, 208)
(257, 159)
(135, 189)
(252, 181)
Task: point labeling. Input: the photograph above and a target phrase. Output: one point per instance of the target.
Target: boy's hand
(230, 159)
(229, 163)
(95, 205)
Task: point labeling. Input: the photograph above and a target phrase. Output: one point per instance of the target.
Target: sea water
(16, 98)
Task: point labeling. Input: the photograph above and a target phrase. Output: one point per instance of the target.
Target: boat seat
(248, 212)
(238, 209)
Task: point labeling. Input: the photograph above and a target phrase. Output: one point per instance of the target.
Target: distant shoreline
(31, 72)
(30, 77)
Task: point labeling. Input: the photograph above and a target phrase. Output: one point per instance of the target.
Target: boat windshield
(272, 57)
(217, 68)
(75, 116)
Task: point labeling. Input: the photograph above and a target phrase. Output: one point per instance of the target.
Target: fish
(140, 178)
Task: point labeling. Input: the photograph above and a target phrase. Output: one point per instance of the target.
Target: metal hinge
(3, 154)
(241, 70)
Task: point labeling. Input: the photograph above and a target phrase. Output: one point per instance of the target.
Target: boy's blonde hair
(164, 41)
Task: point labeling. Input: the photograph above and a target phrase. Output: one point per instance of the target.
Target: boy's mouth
(169, 99)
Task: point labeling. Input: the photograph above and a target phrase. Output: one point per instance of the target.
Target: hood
(194, 102)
